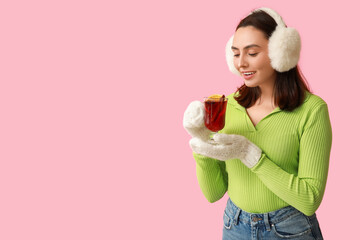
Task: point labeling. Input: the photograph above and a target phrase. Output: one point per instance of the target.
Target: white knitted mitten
(226, 146)
(193, 121)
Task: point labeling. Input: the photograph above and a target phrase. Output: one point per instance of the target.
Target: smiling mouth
(248, 73)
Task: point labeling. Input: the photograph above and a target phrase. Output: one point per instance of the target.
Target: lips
(248, 74)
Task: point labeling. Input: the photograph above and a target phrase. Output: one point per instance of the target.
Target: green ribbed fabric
(293, 167)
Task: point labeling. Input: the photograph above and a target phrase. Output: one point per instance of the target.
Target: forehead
(245, 36)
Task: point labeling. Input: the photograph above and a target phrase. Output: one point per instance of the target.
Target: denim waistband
(266, 218)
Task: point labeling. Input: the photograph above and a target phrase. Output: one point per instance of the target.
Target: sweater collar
(232, 101)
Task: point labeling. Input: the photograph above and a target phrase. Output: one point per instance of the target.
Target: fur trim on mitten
(193, 121)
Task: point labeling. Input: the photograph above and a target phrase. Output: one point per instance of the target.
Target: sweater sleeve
(212, 177)
(305, 190)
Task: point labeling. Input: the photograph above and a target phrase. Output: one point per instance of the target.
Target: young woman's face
(251, 58)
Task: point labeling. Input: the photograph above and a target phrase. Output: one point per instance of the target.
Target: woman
(272, 157)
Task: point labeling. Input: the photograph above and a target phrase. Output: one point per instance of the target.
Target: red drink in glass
(215, 109)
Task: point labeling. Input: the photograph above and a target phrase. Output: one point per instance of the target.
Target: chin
(250, 84)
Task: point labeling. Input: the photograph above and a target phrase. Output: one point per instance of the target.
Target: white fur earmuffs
(284, 45)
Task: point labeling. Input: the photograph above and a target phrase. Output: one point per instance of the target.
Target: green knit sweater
(292, 169)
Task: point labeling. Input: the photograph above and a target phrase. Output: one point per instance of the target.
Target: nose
(242, 63)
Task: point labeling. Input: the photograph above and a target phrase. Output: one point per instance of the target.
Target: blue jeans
(285, 223)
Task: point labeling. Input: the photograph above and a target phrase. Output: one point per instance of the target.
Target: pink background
(92, 97)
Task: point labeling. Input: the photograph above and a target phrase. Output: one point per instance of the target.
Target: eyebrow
(248, 46)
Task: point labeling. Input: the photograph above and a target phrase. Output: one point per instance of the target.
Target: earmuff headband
(284, 45)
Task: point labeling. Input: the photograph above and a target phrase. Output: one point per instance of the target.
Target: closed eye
(250, 54)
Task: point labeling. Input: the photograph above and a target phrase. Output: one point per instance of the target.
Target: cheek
(236, 62)
(263, 63)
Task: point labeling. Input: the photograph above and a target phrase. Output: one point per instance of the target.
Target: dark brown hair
(290, 86)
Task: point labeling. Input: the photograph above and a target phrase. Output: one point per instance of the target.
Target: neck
(267, 95)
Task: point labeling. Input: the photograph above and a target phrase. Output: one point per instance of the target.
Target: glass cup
(215, 109)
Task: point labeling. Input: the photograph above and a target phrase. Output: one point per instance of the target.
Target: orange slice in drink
(216, 96)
